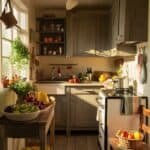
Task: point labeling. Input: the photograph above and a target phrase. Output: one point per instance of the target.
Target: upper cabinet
(87, 32)
(52, 37)
(129, 21)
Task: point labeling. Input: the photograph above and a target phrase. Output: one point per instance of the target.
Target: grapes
(30, 98)
(9, 109)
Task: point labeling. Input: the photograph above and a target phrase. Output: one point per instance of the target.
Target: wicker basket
(129, 144)
(126, 143)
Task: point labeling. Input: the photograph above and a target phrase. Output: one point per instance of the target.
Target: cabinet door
(83, 112)
(87, 32)
(132, 15)
(61, 112)
(115, 22)
(136, 21)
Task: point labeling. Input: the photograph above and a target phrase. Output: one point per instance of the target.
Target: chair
(144, 128)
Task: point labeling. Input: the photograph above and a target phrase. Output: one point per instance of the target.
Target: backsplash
(78, 64)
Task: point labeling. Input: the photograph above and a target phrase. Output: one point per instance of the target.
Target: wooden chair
(144, 128)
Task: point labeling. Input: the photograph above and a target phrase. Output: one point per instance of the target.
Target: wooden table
(37, 128)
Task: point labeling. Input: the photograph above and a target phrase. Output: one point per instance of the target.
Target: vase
(20, 99)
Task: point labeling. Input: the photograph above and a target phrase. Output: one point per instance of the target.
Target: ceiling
(62, 3)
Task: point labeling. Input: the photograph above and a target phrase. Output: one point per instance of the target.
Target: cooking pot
(120, 82)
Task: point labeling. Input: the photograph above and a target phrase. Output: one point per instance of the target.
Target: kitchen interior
(92, 57)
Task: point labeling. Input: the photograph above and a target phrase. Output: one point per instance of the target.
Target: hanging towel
(129, 105)
(126, 105)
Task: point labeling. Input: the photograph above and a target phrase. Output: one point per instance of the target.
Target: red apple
(124, 134)
(130, 136)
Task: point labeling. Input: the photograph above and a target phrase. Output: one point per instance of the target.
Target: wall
(97, 63)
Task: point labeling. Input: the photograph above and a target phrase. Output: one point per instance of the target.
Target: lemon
(137, 135)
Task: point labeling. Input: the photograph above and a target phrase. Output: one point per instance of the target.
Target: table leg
(43, 138)
(52, 134)
(3, 139)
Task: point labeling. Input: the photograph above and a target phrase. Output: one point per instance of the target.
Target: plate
(22, 116)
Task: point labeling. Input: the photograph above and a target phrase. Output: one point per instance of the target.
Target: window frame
(20, 33)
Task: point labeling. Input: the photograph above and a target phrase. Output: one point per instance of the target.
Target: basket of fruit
(129, 139)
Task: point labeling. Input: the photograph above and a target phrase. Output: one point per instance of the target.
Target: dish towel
(129, 105)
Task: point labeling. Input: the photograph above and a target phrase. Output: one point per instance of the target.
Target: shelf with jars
(52, 36)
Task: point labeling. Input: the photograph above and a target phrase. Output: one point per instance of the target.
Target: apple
(70, 81)
(131, 136)
(124, 134)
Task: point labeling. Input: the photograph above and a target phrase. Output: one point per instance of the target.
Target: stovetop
(115, 92)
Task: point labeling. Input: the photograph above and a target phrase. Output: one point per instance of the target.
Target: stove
(105, 100)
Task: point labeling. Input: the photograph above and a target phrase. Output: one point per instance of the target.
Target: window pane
(3, 3)
(6, 33)
(6, 67)
(23, 21)
(15, 12)
(6, 48)
(15, 33)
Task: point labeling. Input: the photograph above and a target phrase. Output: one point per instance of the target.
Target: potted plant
(20, 54)
(21, 87)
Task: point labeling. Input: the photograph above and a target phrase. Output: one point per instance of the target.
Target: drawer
(51, 89)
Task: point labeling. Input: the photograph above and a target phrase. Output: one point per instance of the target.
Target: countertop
(65, 83)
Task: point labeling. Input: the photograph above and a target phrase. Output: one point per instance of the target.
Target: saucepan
(120, 82)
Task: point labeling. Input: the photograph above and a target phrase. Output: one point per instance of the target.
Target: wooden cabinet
(52, 39)
(61, 112)
(83, 112)
(129, 21)
(83, 109)
(87, 32)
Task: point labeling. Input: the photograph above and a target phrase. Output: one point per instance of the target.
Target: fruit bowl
(21, 112)
(22, 116)
(129, 138)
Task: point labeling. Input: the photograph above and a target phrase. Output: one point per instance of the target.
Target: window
(7, 36)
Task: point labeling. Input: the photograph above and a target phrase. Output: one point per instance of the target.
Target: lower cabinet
(76, 110)
(83, 112)
(61, 112)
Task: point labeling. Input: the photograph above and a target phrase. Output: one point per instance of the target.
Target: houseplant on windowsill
(20, 55)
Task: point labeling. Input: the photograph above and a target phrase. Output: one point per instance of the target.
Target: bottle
(60, 50)
(89, 73)
(45, 50)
